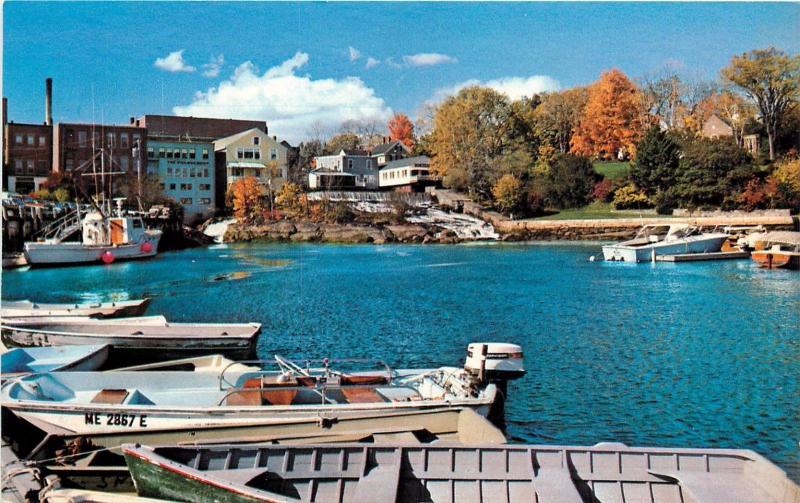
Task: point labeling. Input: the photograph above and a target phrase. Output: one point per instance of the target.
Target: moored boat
(778, 250)
(146, 338)
(115, 309)
(18, 361)
(131, 403)
(655, 240)
(446, 473)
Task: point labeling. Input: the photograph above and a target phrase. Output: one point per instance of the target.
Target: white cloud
(372, 62)
(174, 62)
(291, 104)
(214, 65)
(514, 87)
(428, 59)
(354, 53)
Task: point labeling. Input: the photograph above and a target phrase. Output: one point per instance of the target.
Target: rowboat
(778, 250)
(25, 308)
(20, 361)
(243, 403)
(447, 473)
(145, 338)
(655, 240)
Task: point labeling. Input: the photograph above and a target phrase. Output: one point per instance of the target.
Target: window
(18, 139)
(161, 153)
(69, 164)
(239, 154)
(18, 166)
(205, 200)
(349, 164)
(43, 167)
(186, 200)
(123, 140)
(185, 172)
(205, 172)
(30, 139)
(192, 153)
(169, 170)
(255, 140)
(184, 154)
(273, 154)
(248, 154)
(205, 186)
(169, 154)
(30, 166)
(123, 163)
(192, 172)
(81, 138)
(151, 153)
(369, 163)
(137, 224)
(186, 186)
(136, 140)
(205, 153)
(110, 139)
(42, 141)
(172, 186)
(177, 153)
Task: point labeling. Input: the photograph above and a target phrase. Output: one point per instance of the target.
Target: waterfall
(217, 229)
(465, 226)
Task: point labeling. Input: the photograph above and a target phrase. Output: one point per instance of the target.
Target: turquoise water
(699, 355)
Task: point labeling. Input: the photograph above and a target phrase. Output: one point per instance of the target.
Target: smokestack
(48, 101)
(5, 111)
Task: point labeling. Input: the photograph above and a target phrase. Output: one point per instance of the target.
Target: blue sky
(309, 61)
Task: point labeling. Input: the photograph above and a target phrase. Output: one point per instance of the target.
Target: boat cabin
(115, 230)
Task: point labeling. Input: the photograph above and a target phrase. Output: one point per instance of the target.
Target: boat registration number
(123, 420)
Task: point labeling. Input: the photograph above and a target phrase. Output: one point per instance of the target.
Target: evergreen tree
(657, 159)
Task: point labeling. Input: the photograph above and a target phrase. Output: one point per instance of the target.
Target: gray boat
(118, 309)
(145, 338)
(456, 473)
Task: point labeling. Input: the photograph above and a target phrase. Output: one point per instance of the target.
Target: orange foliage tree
(248, 204)
(401, 128)
(614, 118)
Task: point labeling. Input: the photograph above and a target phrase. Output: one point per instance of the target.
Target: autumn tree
(342, 141)
(289, 197)
(771, 78)
(507, 192)
(248, 205)
(470, 131)
(614, 118)
(401, 129)
(558, 115)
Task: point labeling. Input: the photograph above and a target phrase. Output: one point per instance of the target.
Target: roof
(354, 152)
(322, 171)
(408, 161)
(224, 142)
(785, 237)
(385, 147)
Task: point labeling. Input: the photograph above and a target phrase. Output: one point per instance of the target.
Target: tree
(248, 205)
(712, 171)
(508, 193)
(470, 130)
(558, 115)
(656, 164)
(614, 118)
(368, 131)
(289, 197)
(342, 141)
(569, 181)
(771, 78)
(401, 129)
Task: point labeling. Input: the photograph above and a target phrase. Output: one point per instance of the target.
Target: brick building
(73, 144)
(196, 129)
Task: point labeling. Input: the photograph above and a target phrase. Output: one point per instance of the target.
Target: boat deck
(699, 257)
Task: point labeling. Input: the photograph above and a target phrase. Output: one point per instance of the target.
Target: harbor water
(686, 355)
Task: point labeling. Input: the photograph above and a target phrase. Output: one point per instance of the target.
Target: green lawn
(597, 210)
(612, 170)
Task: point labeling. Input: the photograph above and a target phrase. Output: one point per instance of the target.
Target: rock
(408, 233)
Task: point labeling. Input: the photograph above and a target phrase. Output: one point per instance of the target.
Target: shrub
(788, 172)
(629, 197)
(602, 190)
(534, 202)
(507, 193)
(289, 197)
(340, 213)
(665, 201)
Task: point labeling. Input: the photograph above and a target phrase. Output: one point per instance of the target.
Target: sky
(306, 67)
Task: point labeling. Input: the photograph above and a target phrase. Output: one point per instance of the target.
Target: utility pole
(138, 173)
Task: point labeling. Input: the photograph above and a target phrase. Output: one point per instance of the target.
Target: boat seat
(110, 396)
(253, 394)
(360, 380)
(361, 395)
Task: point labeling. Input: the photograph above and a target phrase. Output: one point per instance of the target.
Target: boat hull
(68, 253)
(122, 309)
(693, 244)
(92, 359)
(776, 260)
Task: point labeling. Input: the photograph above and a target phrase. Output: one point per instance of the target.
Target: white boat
(19, 361)
(147, 338)
(105, 239)
(210, 363)
(118, 309)
(111, 404)
(655, 240)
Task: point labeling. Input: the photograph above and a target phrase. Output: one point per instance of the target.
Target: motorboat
(105, 239)
(245, 403)
(115, 309)
(360, 473)
(19, 361)
(778, 250)
(655, 240)
(147, 338)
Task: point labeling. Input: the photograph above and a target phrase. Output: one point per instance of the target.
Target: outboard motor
(496, 363)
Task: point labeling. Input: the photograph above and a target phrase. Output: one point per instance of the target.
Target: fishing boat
(674, 239)
(146, 338)
(117, 309)
(251, 402)
(447, 473)
(19, 361)
(778, 250)
(105, 240)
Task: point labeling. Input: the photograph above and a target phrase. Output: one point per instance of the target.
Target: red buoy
(107, 257)
(146, 247)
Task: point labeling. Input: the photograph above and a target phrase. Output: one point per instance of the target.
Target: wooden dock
(698, 257)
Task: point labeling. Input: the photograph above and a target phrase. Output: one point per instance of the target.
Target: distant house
(253, 153)
(362, 165)
(715, 127)
(411, 174)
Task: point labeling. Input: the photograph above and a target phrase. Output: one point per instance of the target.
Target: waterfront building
(185, 170)
(411, 174)
(196, 129)
(253, 153)
(76, 143)
(336, 171)
(28, 149)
